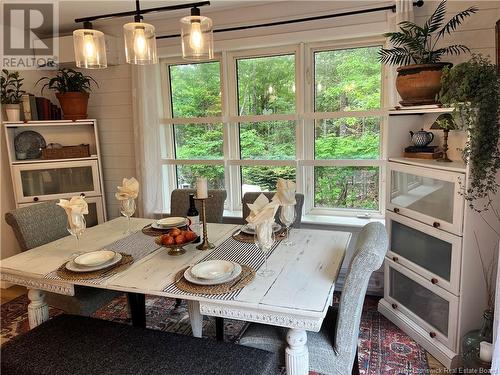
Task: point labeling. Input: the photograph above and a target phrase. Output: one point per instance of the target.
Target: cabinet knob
(394, 306)
(35, 199)
(434, 280)
(395, 259)
(396, 210)
(436, 224)
(432, 334)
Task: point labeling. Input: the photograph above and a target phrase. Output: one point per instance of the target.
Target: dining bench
(78, 345)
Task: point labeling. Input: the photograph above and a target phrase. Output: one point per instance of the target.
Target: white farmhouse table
(296, 297)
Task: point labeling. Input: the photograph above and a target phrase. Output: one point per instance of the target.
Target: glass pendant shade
(140, 43)
(90, 49)
(197, 38)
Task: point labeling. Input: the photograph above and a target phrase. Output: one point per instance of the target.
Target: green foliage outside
(344, 80)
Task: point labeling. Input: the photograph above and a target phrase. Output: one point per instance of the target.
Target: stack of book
(36, 108)
(426, 152)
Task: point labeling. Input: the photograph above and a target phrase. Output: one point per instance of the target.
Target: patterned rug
(383, 348)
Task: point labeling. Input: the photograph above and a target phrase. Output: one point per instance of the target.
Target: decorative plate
(94, 258)
(30, 143)
(72, 266)
(212, 269)
(250, 230)
(192, 279)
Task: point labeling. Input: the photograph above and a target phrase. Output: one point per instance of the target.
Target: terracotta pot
(419, 84)
(13, 112)
(74, 105)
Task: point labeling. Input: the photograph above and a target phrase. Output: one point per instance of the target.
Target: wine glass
(76, 228)
(287, 217)
(264, 239)
(127, 209)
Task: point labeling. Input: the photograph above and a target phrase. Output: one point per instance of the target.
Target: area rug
(383, 348)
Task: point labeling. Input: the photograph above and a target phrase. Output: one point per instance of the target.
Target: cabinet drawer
(427, 195)
(432, 253)
(45, 181)
(430, 306)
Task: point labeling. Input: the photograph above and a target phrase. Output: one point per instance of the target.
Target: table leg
(38, 310)
(137, 304)
(196, 318)
(297, 354)
(219, 328)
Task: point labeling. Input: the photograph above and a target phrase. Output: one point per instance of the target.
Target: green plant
(68, 80)
(473, 90)
(11, 84)
(416, 44)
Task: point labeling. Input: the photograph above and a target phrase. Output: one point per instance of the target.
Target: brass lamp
(445, 123)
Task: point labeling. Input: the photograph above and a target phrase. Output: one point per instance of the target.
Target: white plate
(94, 258)
(72, 266)
(169, 222)
(212, 269)
(236, 272)
(250, 230)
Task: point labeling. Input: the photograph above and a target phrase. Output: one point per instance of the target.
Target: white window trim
(304, 118)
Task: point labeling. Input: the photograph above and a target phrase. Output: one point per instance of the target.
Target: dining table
(296, 297)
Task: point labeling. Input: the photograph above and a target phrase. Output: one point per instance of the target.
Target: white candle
(485, 351)
(201, 188)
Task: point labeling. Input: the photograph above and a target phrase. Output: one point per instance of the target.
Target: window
(318, 122)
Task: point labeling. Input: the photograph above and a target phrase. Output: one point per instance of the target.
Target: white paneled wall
(111, 105)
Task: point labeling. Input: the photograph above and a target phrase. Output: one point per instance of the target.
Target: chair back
(37, 224)
(179, 204)
(251, 197)
(370, 251)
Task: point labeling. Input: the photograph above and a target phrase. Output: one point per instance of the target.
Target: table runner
(235, 251)
(138, 245)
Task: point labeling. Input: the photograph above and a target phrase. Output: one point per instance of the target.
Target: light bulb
(89, 46)
(196, 38)
(140, 45)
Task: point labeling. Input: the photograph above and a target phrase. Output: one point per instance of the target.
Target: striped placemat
(138, 245)
(235, 251)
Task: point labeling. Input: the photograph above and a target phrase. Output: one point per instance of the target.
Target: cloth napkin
(261, 217)
(285, 192)
(129, 189)
(74, 207)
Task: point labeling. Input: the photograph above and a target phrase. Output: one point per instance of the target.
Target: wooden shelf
(30, 124)
(32, 161)
(418, 111)
(454, 166)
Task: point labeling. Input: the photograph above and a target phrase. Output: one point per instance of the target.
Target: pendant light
(90, 48)
(197, 36)
(140, 41)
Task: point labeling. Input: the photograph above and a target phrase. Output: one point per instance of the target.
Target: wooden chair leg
(355, 366)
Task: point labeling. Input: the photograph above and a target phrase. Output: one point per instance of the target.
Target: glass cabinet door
(433, 307)
(431, 253)
(43, 181)
(429, 195)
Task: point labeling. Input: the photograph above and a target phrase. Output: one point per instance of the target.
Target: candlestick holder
(205, 244)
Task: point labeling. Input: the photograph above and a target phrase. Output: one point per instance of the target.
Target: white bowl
(94, 258)
(212, 269)
(171, 221)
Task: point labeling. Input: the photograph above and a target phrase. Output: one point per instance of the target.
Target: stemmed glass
(127, 209)
(264, 239)
(77, 228)
(287, 217)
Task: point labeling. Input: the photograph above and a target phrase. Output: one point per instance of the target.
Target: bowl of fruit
(175, 239)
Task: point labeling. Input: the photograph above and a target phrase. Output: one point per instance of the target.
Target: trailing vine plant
(472, 88)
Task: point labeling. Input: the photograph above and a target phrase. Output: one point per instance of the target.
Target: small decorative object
(444, 122)
(71, 89)
(421, 138)
(205, 244)
(419, 76)
(126, 194)
(28, 145)
(471, 342)
(485, 351)
(75, 208)
(201, 188)
(472, 88)
(65, 152)
(11, 94)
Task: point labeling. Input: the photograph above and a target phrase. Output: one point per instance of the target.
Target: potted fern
(72, 90)
(415, 51)
(11, 94)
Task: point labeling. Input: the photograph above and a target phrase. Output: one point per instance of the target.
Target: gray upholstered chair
(333, 350)
(179, 204)
(251, 197)
(39, 224)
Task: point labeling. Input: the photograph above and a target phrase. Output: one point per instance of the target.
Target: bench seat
(77, 345)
